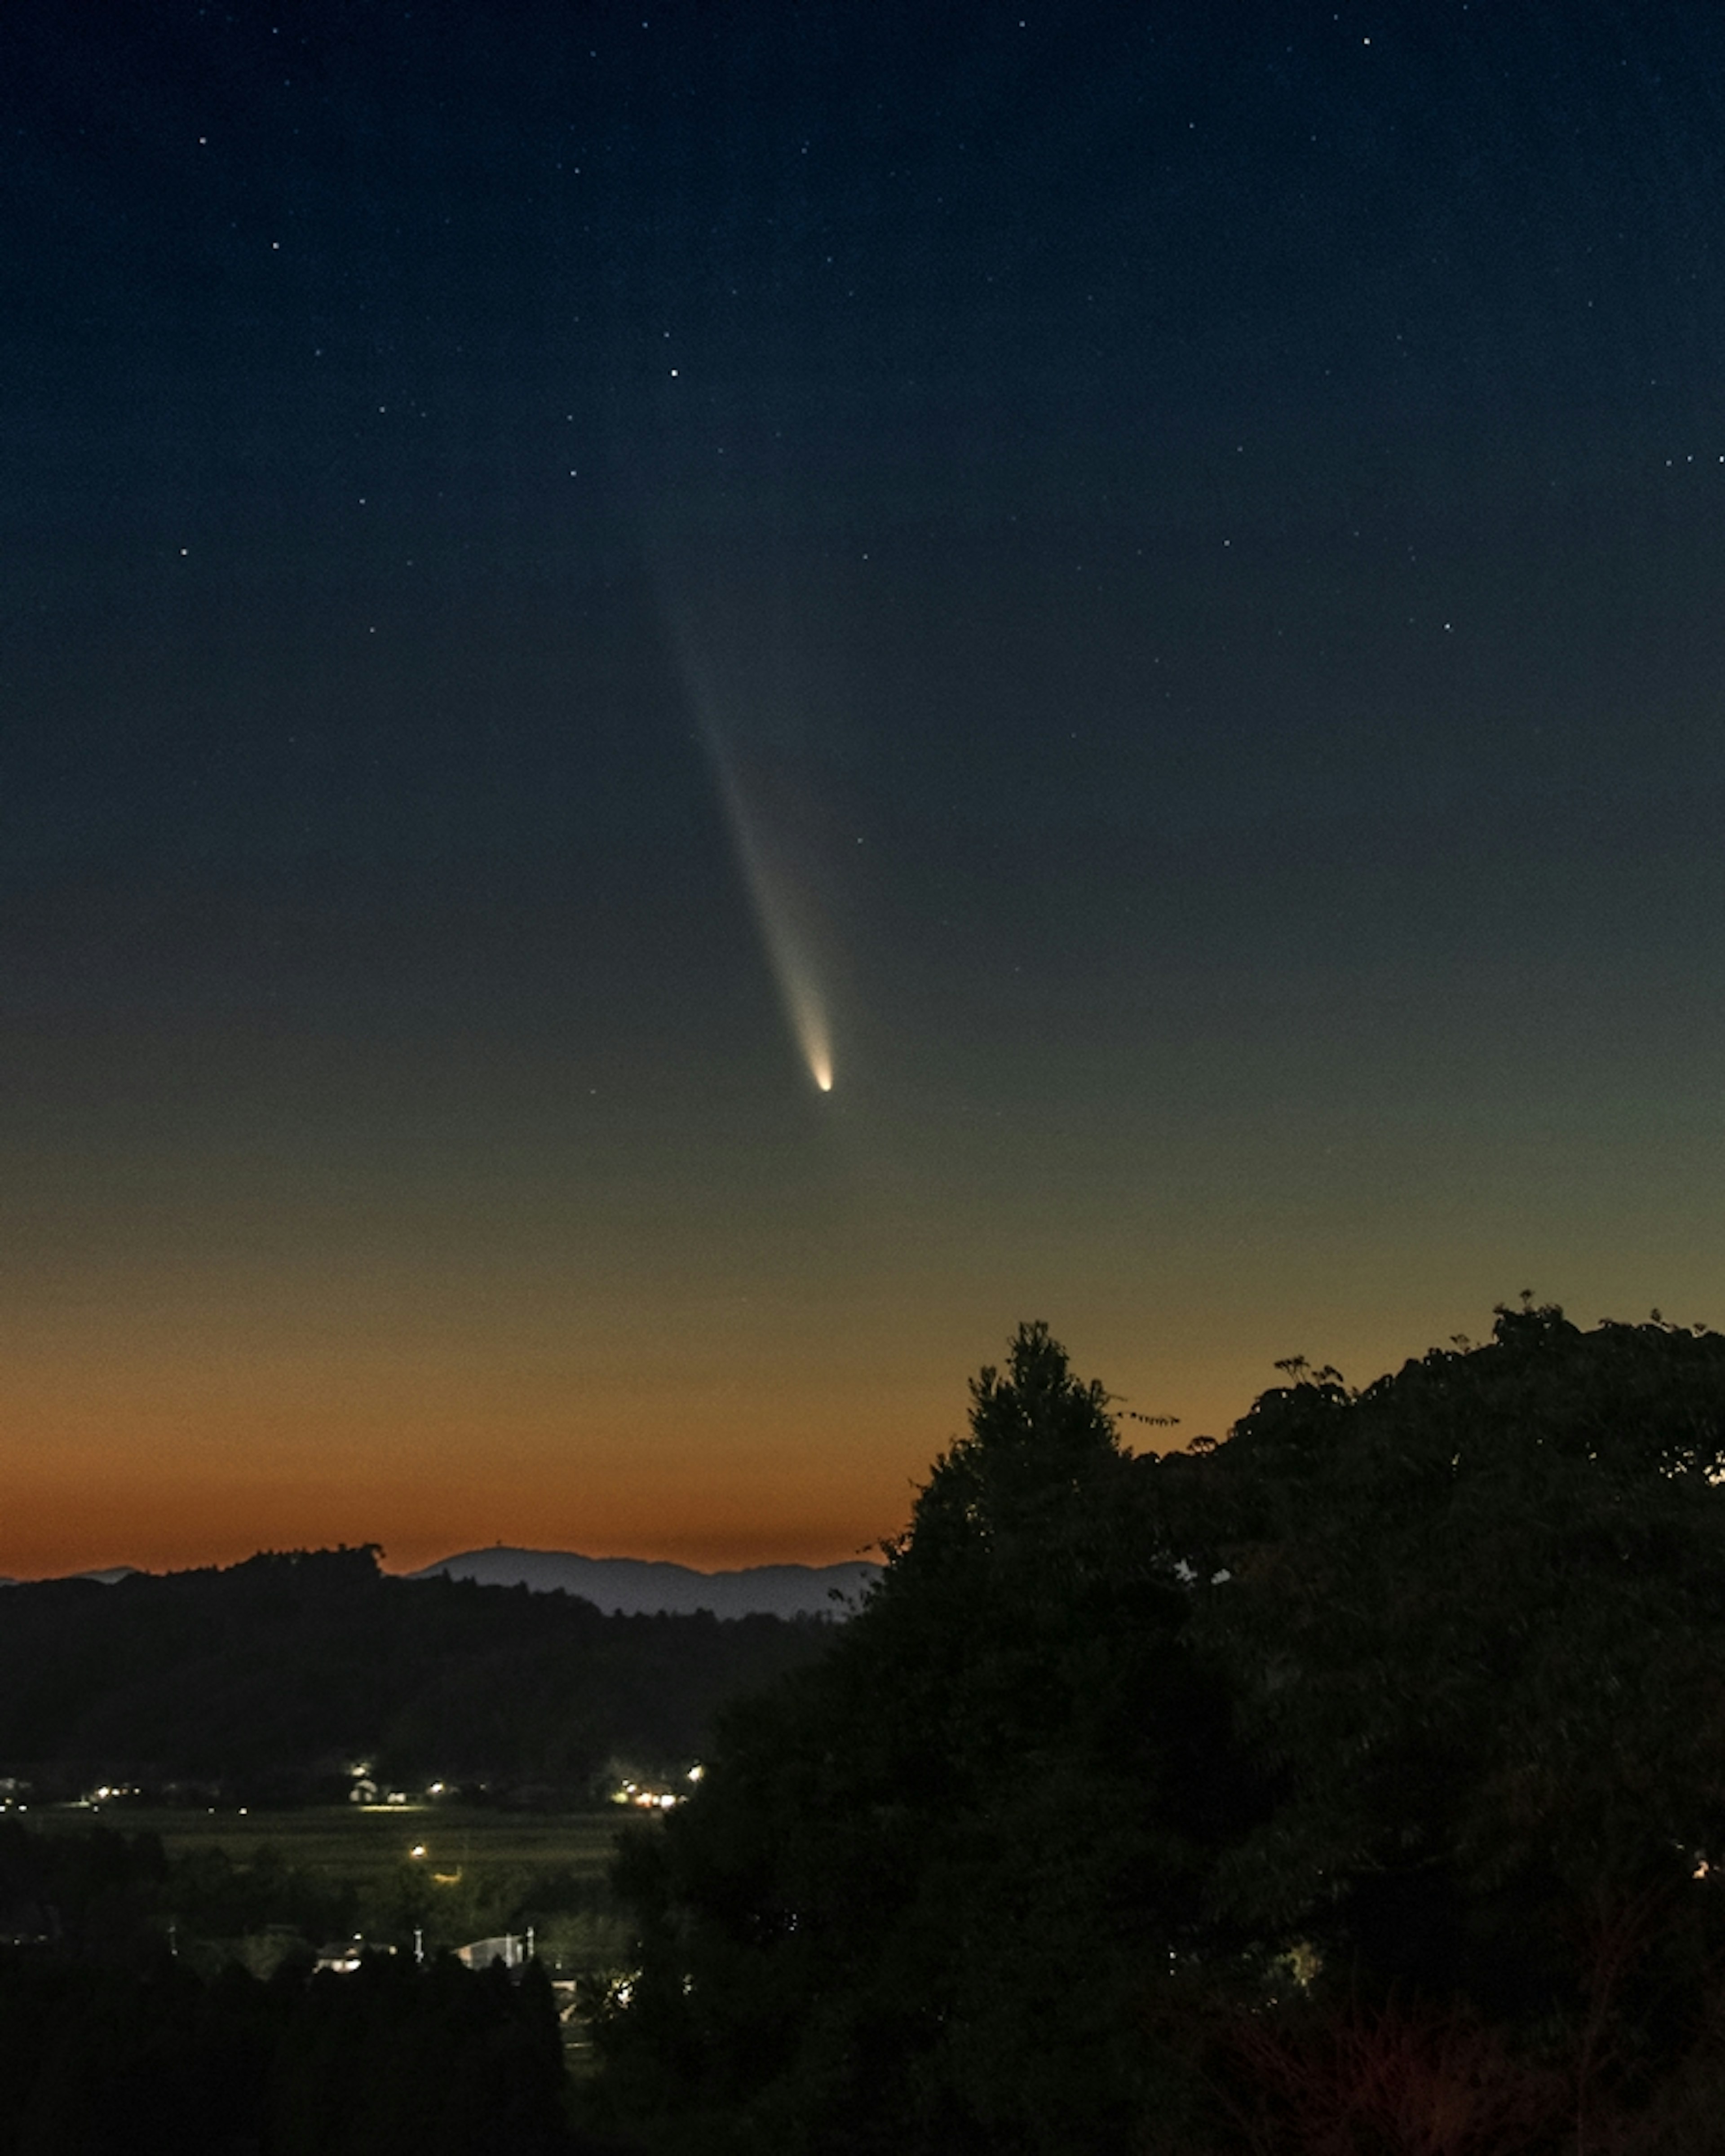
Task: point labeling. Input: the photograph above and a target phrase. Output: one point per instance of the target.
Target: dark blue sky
(1195, 547)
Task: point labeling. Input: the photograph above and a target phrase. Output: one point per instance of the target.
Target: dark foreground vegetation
(1355, 1786)
(152, 1999)
(263, 1682)
(392, 2060)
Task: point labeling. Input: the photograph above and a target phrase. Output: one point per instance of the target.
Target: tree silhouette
(932, 1885)
(1368, 1764)
(1476, 1624)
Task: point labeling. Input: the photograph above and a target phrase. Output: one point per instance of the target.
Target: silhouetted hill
(271, 1676)
(627, 1586)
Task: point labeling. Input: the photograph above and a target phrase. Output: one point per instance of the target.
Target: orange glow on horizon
(150, 1463)
(191, 1415)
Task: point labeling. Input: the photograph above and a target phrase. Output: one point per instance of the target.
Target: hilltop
(629, 1586)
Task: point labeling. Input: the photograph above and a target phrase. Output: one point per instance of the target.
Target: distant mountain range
(635, 1587)
(631, 1587)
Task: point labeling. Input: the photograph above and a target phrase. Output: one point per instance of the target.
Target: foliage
(1363, 1773)
(1430, 2083)
(109, 2039)
(391, 2061)
(1477, 1622)
(399, 2058)
(97, 1894)
(931, 1883)
(206, 1895)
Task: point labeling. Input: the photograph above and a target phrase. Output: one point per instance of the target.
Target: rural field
(260, 1886)
(360, 1842)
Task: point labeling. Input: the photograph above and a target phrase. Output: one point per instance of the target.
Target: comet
(764, 842)
(776, 914)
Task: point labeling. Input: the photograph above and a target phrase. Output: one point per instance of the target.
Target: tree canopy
(1135, 1778)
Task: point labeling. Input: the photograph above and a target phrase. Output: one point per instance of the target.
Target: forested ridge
(267, 1677)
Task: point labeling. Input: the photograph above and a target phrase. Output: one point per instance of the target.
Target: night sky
(1148, 581)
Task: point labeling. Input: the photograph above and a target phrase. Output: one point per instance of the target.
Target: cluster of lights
(646, 1800)
(365, 1790)
(654, 1798)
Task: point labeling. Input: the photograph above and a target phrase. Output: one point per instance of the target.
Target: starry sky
(1140, 585)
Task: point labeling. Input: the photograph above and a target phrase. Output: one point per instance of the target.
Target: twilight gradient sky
(1167, 562)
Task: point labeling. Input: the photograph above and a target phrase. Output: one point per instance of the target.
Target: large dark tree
(1476, 1624)
(933, 1885)
(1363, 1772)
